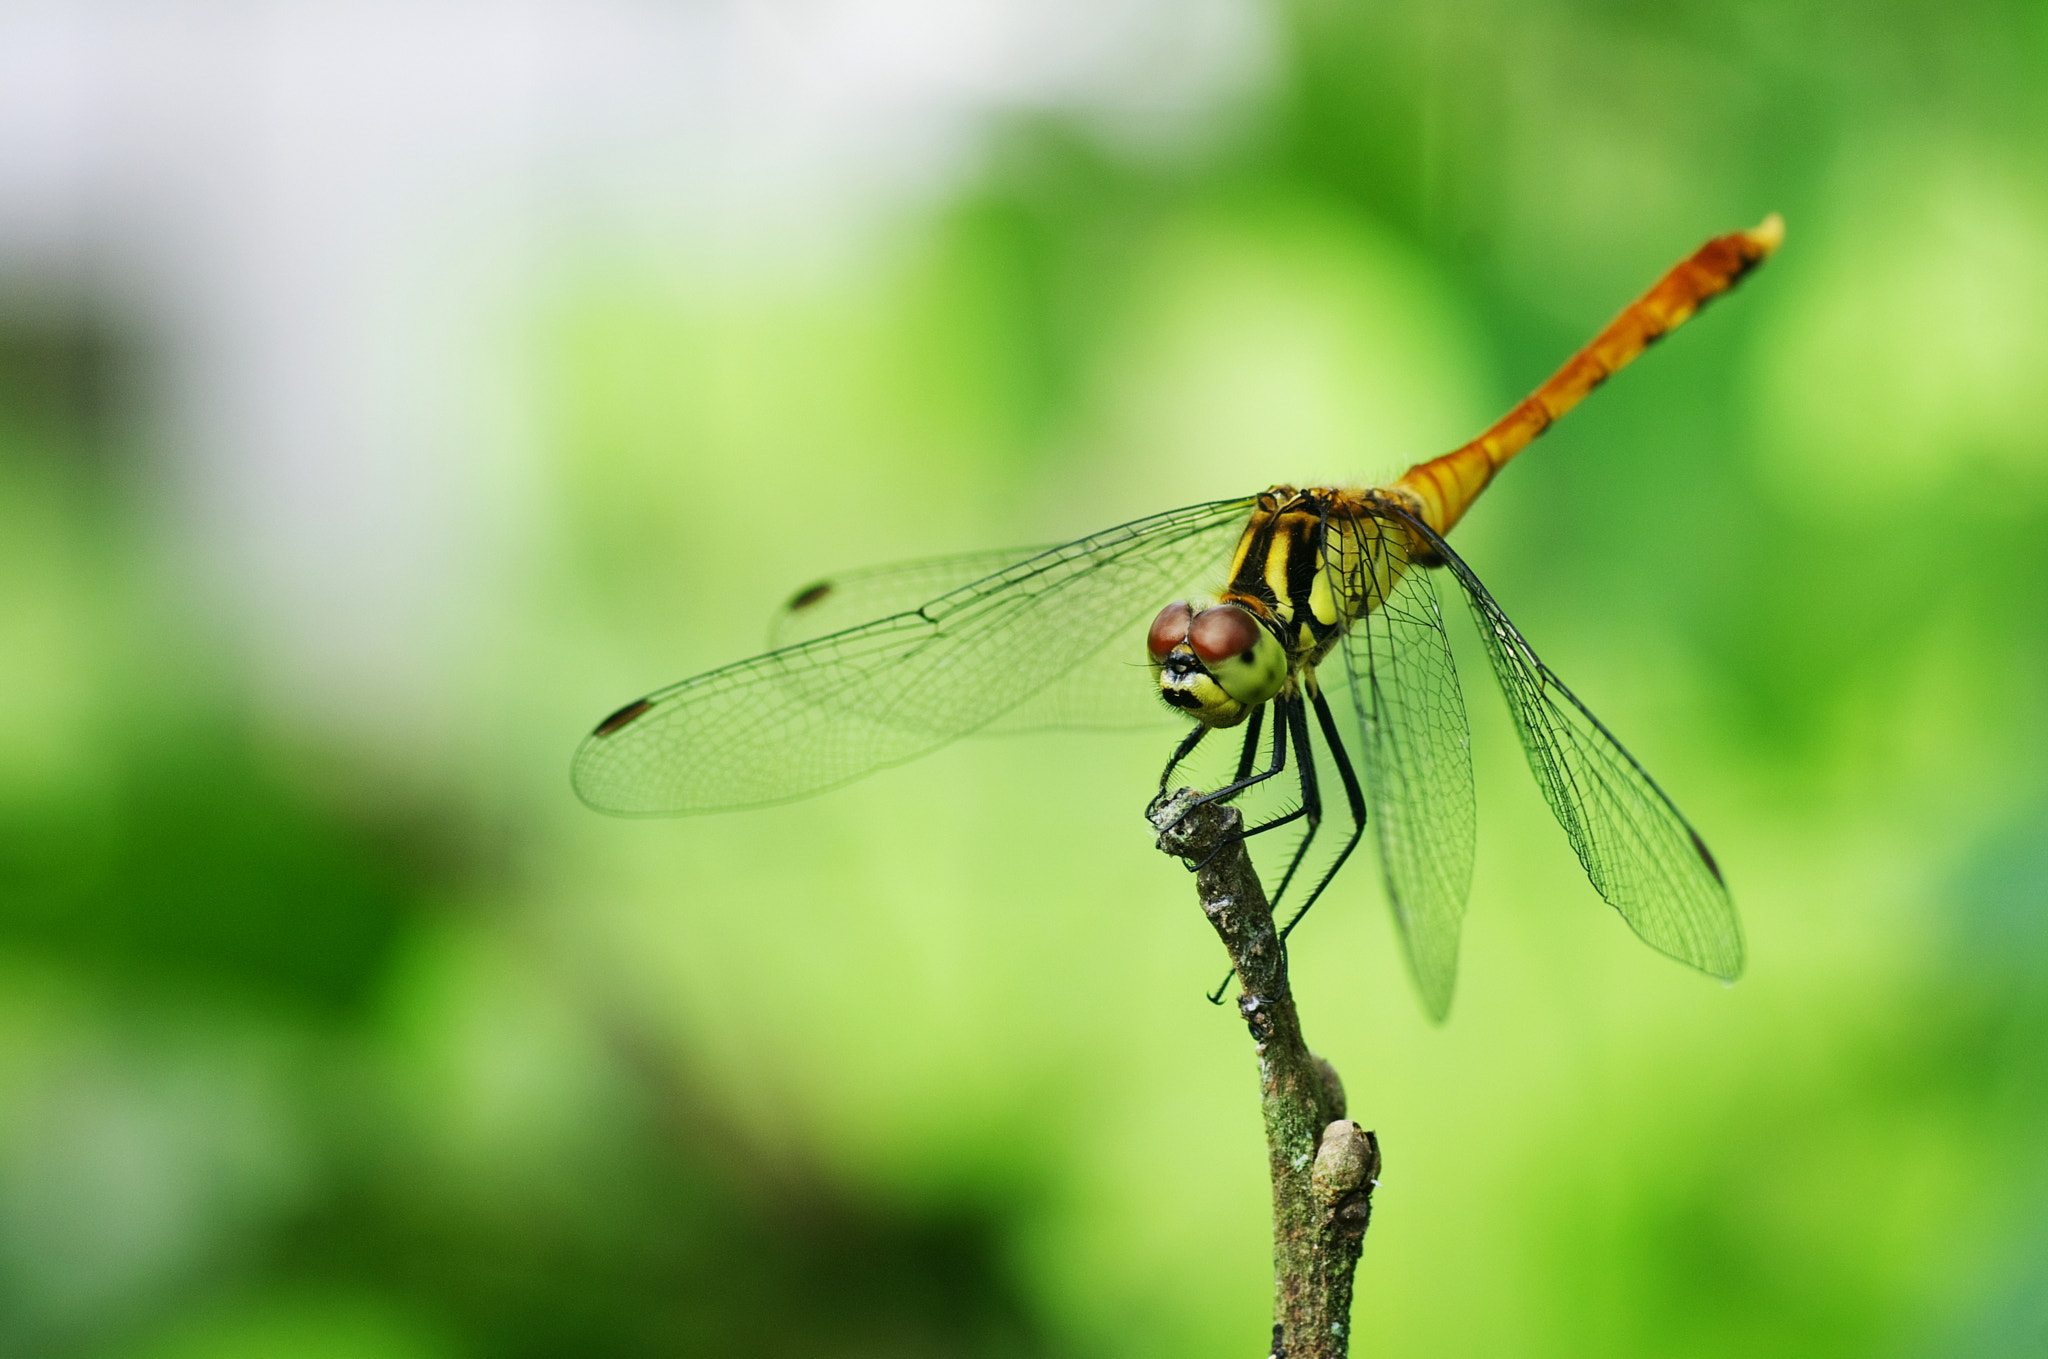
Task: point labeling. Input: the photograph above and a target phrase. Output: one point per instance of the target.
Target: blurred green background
(331, 1025)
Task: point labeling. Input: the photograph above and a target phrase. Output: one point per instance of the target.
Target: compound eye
(1222, 633)
(1169, 629)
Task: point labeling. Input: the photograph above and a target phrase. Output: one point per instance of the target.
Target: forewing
(1417, 752)
(812, 716)
(851, 598)
(1111, 690)
(1640, 852)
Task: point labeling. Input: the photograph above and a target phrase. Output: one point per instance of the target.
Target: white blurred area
(323, 222)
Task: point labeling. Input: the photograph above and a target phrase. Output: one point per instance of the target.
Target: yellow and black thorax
(1312, 562)
(1309, 564)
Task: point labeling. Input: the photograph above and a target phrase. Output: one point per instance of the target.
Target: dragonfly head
(1215, 665)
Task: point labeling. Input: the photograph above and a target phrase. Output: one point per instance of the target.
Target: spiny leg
(1244, 780)
(1290, 723)
(1352, 793)
(1311, 796)
(1251, 743)
(1291, 720)
(1181, 752)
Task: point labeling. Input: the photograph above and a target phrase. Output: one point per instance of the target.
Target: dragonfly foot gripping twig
(1323, 1165)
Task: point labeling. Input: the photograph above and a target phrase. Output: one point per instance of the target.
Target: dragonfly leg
(1244, 781)
(1251, 744)
(1292, 719)
(1245, 760)
(1287, 722)
(1193, 739)
(1311, 797)
(1182, 751)
(1353, 794)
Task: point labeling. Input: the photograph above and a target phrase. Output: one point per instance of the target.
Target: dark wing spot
(1706, 857)
(622, 717)
(810, 595)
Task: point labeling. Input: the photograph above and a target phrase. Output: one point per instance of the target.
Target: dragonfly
(1275, 603)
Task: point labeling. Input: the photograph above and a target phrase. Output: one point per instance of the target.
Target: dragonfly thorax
(1309, 564)
(1316, 560)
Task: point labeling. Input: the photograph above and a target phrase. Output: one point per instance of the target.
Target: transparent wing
(1641, 853)
(1110, 691)
(850, 598)
(1113, 690)
(1417, 752)
(812, 716)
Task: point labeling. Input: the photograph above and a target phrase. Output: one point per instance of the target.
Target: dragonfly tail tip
(1768, 234)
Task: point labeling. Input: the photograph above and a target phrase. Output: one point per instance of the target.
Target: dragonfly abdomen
(1443, 488)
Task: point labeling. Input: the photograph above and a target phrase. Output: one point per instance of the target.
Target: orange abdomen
(1447, 486)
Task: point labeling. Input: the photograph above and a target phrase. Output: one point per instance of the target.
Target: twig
(1323, 1165)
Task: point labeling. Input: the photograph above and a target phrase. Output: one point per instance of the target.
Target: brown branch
(1323, 1164)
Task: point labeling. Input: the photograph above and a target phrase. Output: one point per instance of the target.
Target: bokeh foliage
(301, 1056)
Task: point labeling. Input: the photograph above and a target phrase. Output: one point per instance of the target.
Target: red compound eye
(1169, 629)
(1221, 633)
